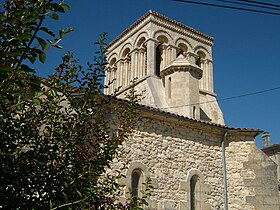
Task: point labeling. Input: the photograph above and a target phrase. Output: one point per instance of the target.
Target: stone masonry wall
(170, 154)
(170, 151)
(251, 177)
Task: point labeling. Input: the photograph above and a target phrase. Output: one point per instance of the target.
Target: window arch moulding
(207, 53)
(196, 189)
(185, 42)
(140, 36)
(161, 33)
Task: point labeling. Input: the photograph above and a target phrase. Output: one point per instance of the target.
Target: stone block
(183, 185)
(168, 205)
(183, 205)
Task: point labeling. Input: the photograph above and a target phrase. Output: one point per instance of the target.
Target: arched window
(140, 67)
(158, 59)
(183, 49)
(136, 182)
(112, 75)
(196, 189)
(161, 54)
(136, 175)
(200, 58)
(125, 68)
(195, 193)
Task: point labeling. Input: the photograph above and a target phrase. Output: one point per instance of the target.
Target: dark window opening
(179, 53)
(158, 60)
(135, 182)
(194, 109)
(169, 88)
(198, 61)
(193, 192)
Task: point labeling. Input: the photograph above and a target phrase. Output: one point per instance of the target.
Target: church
(181, 142)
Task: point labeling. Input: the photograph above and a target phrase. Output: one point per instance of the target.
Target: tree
(56, 134)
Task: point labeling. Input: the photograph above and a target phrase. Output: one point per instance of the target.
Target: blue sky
(246, 50)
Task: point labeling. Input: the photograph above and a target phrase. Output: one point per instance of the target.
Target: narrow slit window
(135, 182)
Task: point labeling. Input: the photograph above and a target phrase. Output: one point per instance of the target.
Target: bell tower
(172, 64)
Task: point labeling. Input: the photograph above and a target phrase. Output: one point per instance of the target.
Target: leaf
(24, 36)
(42, 42)
(79, 193)
(53, 16)
(42, 57)
(54, 92)
(6, 69)
(31, 59)
(51, 205)
(26, 68)
(61, 33)
(65, 6)
(37, 101)
(47, 31)
(16, 52)
(57, 7)
(68, 30)
(19, 107)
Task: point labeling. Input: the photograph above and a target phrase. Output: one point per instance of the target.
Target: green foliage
(56, 135)
(138, 203)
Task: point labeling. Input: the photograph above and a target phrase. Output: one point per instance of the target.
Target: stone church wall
(251, 178)
(170, 151)
(171, 154)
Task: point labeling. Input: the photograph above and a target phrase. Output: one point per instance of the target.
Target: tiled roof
(160, 111)
(225, 127)
(153, 13)
(271, 148)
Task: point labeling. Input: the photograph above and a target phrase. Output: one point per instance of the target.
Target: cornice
(165, 22)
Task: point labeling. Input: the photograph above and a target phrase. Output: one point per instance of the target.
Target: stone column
(125, 73)
(133, 65)
(173, 53)
(121, 74)
(106, 81)
(151, 56)
(118, 74)
(164, 56)
(204, 74)
(114, 70)
(128, 73)
(191, 57)
(210, 77)
(142, 62)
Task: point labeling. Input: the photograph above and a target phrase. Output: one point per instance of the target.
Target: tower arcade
(172, 64)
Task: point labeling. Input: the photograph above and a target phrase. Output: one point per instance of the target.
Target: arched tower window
(140, 42)
(183, 49)
(125, 68)
(161, 54)
(140, 66)
(112, 69)
(158, 59)
(200, 57)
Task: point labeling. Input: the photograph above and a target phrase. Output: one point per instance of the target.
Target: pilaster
(151, 56)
